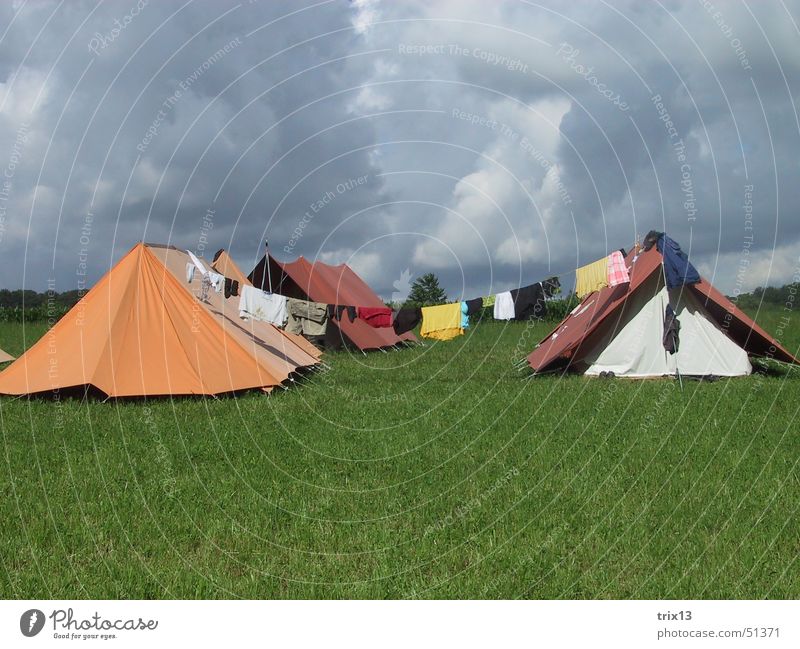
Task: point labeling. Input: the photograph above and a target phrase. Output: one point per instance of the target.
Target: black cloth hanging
(650, 239)
(474, 306)
(406, 320)
(231, 288)
(335, 312)
(672, 329)
(529, 302)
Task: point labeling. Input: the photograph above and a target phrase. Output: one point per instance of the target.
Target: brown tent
(331, 285)
(620, 329)
(5, 357)
(142, 331)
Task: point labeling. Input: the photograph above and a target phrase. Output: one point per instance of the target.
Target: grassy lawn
(438, 471)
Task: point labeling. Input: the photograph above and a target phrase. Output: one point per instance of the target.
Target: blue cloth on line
(464, 316)
(678, 270)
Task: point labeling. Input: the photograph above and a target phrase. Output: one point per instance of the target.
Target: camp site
(369, 300)
(404, 465)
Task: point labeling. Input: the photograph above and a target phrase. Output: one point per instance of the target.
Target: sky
(492, 143)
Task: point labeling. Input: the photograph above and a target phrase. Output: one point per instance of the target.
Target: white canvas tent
(632, 346)
(620, 329)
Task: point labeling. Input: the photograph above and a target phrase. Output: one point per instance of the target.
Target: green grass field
(437, 472)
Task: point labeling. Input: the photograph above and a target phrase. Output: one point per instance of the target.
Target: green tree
(426, 291)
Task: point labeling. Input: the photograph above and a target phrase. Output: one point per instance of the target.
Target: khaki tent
(143, 331)
(4, 357)
(224, 265)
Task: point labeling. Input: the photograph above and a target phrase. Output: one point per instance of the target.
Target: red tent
(331, 285)
(573, 343)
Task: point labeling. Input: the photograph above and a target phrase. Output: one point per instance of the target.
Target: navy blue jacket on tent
(678, 270)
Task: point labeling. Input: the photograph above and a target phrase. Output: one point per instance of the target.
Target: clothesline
(610, 270)
(298, 316)
(441, 322)
(446, 321)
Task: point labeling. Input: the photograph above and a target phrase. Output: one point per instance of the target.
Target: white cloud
(22, 95)
(366, 14)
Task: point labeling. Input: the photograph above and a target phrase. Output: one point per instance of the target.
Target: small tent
(5, 357)
(328, 284)
(224, 265)
(142, 330)
(621, 330)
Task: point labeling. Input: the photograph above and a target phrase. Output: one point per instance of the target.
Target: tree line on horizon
(18, 305)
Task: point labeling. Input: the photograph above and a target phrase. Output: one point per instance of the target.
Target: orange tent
(142, 332)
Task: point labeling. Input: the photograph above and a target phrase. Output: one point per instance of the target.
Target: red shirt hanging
(376, 316)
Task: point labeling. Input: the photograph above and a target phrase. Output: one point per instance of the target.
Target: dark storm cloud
(492, 143)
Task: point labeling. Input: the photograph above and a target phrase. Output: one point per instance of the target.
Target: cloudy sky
(493, 143)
